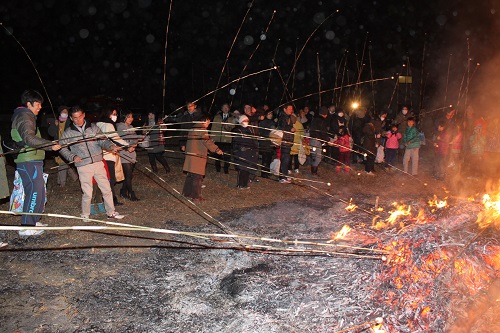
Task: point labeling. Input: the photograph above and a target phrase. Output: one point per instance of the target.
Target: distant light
(263, 37)
(355, 105)
(329, 184)
(232, 92)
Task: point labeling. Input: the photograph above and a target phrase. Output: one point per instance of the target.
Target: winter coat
(187, 121)
(392, 141)
(109, 130)
(401, 121)
(245, 148)
(131, 138)
(55, 131)
(319, 129)
(156, 144)
(369, 138)
(197, 146)
(442, 143)
(297, 137)
(343, 143)
(264, 130)
(220, 131)
(24, 130)
(285, 124)
(87, 145)
(335, 123)
(411, 138)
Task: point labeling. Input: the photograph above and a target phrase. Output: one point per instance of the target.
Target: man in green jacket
(29, 162)
(412, 144)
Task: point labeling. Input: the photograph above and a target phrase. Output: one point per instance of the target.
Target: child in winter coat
(344, 144)
(392, 145)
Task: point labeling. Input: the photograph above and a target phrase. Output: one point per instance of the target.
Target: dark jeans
(192, 185)
(128, 172)
(34, 190)
(226, 148)
(285, 159)
(112, 176)
(294, 163)
(243, 177)
(390, 156)
(370, 163)
(153, 157)
(267, 158)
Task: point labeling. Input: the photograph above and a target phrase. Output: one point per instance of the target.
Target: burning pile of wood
(442, 260)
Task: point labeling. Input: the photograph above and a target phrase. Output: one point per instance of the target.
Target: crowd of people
(256, 142)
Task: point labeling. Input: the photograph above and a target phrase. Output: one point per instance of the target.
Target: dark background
(116, 48)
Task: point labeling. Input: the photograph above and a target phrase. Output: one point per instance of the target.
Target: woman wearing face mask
(245, 147)
(107, 124)
(55, 130)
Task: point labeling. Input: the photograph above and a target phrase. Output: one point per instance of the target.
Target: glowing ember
(342, 233)
(438, 203)
(351, 207)
(491, 211)
(401, 210)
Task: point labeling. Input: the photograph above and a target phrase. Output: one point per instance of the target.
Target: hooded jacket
(87, 144)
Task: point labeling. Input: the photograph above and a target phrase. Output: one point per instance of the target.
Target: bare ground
(136, 281)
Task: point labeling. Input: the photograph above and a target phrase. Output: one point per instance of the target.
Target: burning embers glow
(342, 233)
(401, 210)
(438, 204)
(351, 207)
(491, 211)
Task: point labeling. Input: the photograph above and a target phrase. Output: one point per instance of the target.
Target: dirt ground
(139, 281)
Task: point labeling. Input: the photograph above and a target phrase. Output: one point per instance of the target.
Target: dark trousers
(370, 162)
(285, 159)
(34, 190)
(192, 185)
(335, 155)
(243, 178)
(226, 148)
(128, 172)
(391, 155)
(112, 176)
(294, 163)
(153, 157)
(267, 158)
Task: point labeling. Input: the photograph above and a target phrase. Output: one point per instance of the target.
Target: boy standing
(412, 144)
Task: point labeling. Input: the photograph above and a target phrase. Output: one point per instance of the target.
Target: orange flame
(438, 204)
(401, 210)
(342, 233)
(351, 207)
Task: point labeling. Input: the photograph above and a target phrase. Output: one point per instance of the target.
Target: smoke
(466, 65)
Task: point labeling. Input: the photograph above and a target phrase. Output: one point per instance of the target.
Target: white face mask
(382, 118)
(113, 118)
(341, 114)
(405, 112)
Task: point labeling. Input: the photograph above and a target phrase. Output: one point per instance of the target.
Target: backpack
(10, 146)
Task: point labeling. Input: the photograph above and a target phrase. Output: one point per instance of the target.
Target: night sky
(116, 48)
